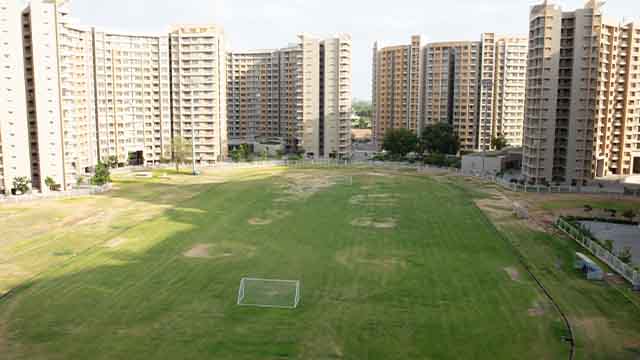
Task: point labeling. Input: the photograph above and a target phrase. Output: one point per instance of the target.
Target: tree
(439, 138)
(499, 142)
(608, 244)
(102, 175)
(629, 214)
(181, 150)
(50, 182)
(245, 153)
(21, 184)
(364, 109)
(112, 161)
(626, 256)
(400, 142)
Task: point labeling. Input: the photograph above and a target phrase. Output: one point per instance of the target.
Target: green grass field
(395, 266)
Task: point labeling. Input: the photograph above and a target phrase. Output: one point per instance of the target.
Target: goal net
(284, 294)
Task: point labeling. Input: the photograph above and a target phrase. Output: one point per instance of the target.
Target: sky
(260, 24)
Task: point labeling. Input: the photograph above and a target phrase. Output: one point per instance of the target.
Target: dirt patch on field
(220, 251)
(115, 242)
(260, 221)
(361, 256)
(272, 215)
(97, 218)
(513, 273)
(383, 223)
(301, 187)
(199, 251)
(378, 174)
(593, 327)
(540, 307)
(536, 310)
(374, 200)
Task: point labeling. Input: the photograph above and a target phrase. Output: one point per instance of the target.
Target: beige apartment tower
(451, 88)
(300, 94)
(198, 87)
(264, 96)
(582, 114)
(478, 87)
(132, 97)
(14, 135)
(396, 88)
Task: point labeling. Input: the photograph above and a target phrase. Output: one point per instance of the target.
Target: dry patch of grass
(219, 251)
(383, 223)
(115, 242)
(513, 273)
(198, 251)
(384, 200)
(270, 217)
(361, 256)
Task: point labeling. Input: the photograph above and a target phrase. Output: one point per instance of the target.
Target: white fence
(55, 195)
(601, 253)
(365, 164)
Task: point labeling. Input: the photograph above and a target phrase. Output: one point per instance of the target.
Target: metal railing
(53, 195)
(624, 270)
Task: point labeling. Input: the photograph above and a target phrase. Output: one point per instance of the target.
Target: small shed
(588, 266)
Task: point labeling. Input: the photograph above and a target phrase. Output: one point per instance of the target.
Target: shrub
(21, 184)
(102, 175)
(625, 255)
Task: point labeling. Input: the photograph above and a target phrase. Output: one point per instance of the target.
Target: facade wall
(397, 89)
(300, 94)
(198, 85)
(510, 89)
(581, 118)
(310, 127)
(132, 97)
(43, 94)
(14, 134)
(487, 96)
(451, 88)
(253, 95)
(337, 96)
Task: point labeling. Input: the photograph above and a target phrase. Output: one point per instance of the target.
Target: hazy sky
(254, 24)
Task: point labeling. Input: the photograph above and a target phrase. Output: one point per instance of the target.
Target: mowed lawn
(392, 267)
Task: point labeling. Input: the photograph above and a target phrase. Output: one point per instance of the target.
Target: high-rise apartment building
(132, 97)
(14, 135)
(99, 95)
(476, 86)
(198, 86)
(300, 94)
(396, 88)
(510, 88)
(451, 88)
(582, 111)
(53, 83)
(503, 72)
(264, 95)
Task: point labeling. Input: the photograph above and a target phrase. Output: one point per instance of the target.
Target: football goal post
(269, 293)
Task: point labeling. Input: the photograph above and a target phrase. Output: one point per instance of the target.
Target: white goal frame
(241, 293)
